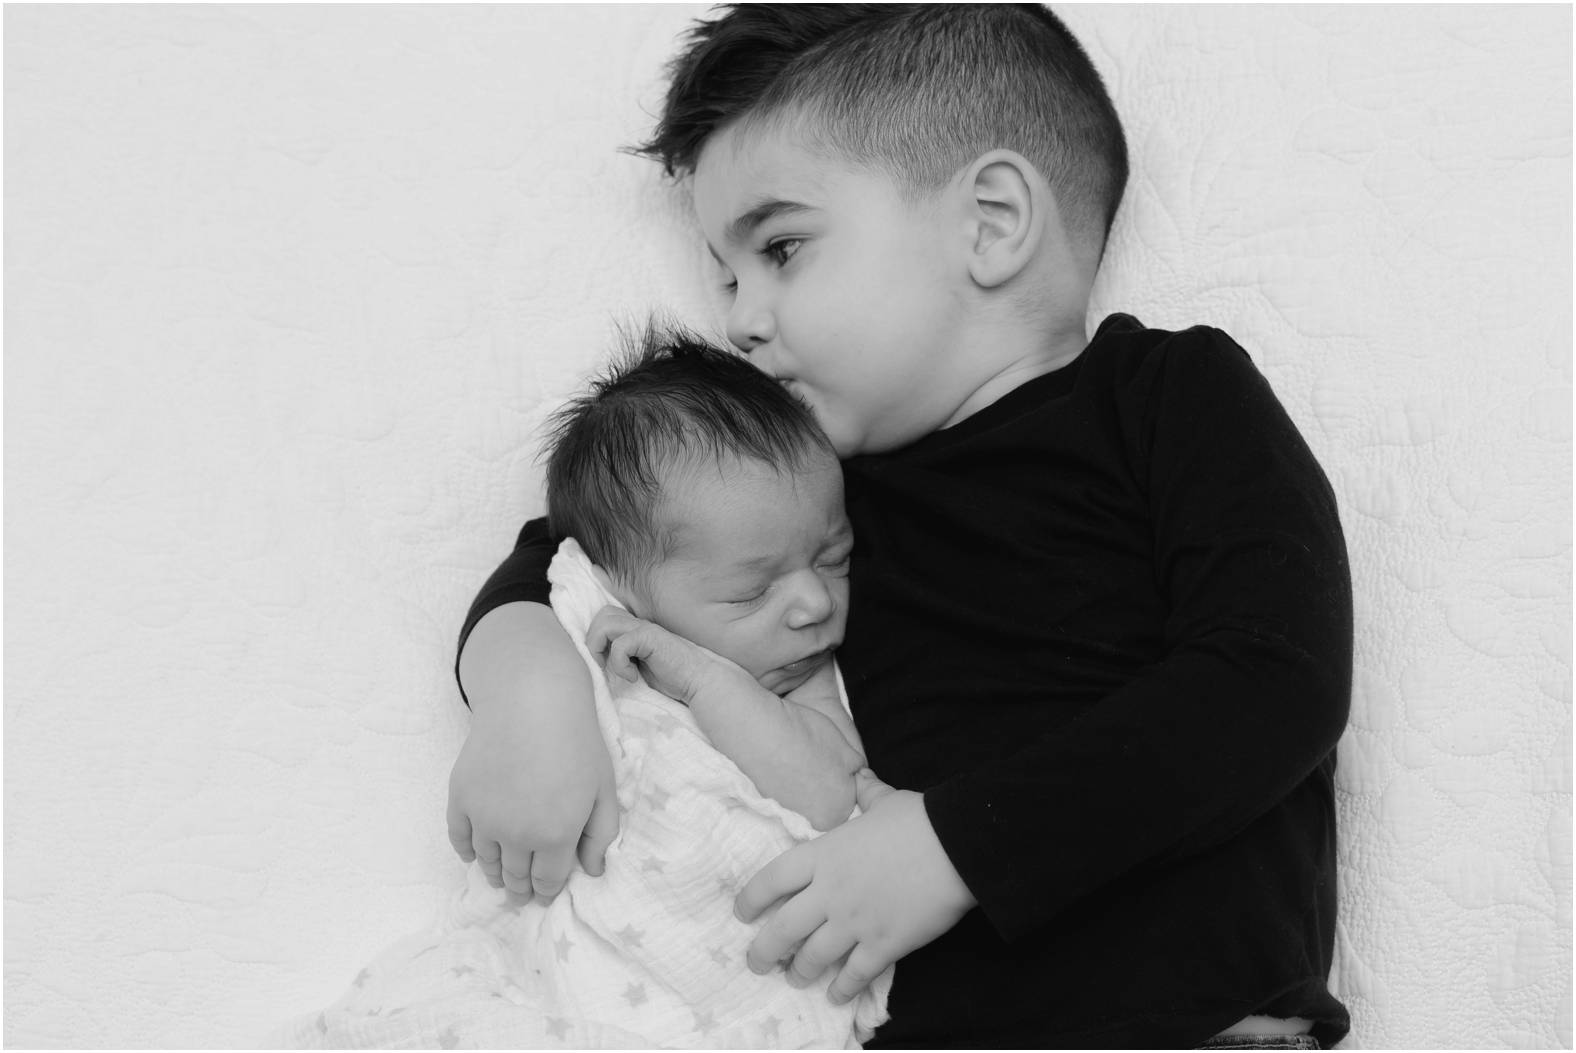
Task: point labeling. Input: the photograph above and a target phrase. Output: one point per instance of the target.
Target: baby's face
(759, 570)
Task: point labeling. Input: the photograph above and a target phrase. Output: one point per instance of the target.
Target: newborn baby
(704, 580)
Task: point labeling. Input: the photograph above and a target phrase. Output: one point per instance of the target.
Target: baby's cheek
(755, 655)
(841, 594)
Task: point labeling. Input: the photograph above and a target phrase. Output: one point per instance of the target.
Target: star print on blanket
(647, 955)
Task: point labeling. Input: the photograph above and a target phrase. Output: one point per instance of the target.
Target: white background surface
(289, 290)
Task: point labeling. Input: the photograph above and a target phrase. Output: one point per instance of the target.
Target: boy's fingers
(783, 876)
(858, 973)
(600, 830)
(786, 932)
(515, 869)
(460, 832)
(490, 858)
(826, 945)
(549, 871)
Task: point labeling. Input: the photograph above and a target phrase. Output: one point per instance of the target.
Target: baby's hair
(669, 400)
(917, 90)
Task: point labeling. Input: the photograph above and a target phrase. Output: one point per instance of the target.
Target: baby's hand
(673, 665)
(868, 789)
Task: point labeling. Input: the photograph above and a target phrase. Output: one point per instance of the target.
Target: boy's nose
(813, 601)
(749, 325)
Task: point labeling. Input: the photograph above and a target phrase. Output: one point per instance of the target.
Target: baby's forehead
(707, 515)
(699, 474)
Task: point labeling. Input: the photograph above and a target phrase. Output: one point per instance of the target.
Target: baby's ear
(624, 596)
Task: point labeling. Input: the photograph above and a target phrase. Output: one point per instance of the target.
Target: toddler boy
(1103, 644)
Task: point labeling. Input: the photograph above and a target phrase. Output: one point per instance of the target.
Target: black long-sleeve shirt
(1104, 625)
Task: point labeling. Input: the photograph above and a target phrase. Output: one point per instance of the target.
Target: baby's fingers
(621, 655)
(609, 624)
(868, 789)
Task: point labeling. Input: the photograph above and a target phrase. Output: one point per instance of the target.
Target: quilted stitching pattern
(289, 290)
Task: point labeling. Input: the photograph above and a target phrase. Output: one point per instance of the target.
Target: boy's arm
(1251, 698)
(1254, 690)
(792, 748)
(520, 578)
(532, 787)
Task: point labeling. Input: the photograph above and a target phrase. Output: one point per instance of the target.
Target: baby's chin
(794, 675)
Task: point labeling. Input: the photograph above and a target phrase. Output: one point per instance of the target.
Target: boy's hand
(533, 785)
(872, 890)
(674, 666)
(520, 797)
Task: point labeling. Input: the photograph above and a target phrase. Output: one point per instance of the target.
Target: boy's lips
(794, 388)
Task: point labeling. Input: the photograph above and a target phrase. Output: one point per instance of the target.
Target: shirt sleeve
(1253, 690)
(522, 577)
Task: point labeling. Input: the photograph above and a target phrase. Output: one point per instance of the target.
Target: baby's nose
(813, 602)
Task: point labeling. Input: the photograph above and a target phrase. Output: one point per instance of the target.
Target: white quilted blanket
(289, 289)
(649, 954)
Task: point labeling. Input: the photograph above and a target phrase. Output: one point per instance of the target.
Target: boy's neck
(1018, 353)
(1033, 324)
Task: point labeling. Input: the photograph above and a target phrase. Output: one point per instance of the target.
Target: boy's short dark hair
(918, 90)
(669, 399)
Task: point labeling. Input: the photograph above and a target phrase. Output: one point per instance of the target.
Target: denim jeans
(1262, 1042)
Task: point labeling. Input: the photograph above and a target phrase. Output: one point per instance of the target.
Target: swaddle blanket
(647, 955)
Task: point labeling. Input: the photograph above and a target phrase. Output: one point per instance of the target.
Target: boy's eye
(782, 250)
(749, 600)
(838, 565)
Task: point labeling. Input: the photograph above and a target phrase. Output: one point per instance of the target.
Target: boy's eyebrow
(742, 227)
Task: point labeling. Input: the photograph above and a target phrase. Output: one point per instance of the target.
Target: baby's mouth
(810, 661)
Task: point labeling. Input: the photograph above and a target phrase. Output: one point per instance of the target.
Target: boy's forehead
(743, 169)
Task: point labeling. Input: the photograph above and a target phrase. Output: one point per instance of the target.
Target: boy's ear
(1008, 204)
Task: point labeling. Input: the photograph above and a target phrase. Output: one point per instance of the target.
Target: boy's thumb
(599, 831)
